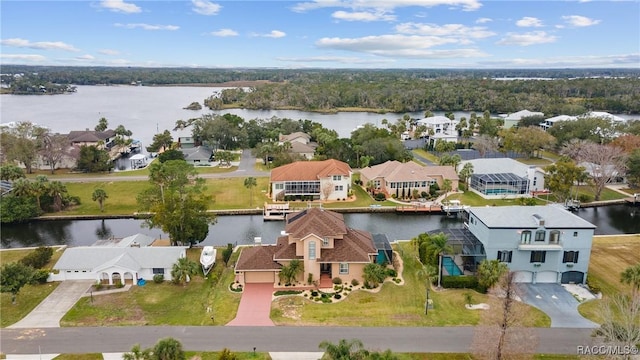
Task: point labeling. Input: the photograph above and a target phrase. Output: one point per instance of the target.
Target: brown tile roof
(310, 170)
(291, 137)
(89, 135)
(298, 147)
(447, 172)
(396, 171)
(356, 246)
(257, 258)
(285, 251)
(315, 221)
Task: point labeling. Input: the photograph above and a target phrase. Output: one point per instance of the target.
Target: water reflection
(103, 231)
(37, 234)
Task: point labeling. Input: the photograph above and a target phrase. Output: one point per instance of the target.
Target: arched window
(525, 237)
(554, 237)
(540, 235)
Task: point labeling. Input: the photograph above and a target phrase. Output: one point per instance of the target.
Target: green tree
(446, 185)
(226, 254)
(92, 159)
(490, 272)
(527, 140)
(560, 177)
(54, 147)
(225, 157)
(344, 350)
(168, 349)
(13, 277)
(11, 172)
(633, 168)
(226, 354)
(373, 274)
(171, 154)
(17, 208)
(137, 353)
(103, 124)
(161, 141)
(250, 183)
(182, 270)
(177, 202)
(466, 172)
(100, 196)
(289, 273)
(631, 276)
(38, 258)
(58, 192)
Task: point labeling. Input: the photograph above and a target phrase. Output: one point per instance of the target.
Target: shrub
(337, 287)
(40, 276)
(119, 285)
(310, 279)
(337, 280)
(337, 296)
(460, 282)
(585, 198)
(314, 293)
(393, 196)
(593, 285)
(287, 292)
(158, 278)
(380, 197)
(355, 282)
(99, 285)
(397, 281)
(424, 195)
(38, 258)
(392, 273)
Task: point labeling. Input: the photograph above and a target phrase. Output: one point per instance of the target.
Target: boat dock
(277, 212)
(419, 209)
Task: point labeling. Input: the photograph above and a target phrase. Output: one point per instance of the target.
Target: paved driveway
(49, 312)
(255, 306)
(556, 302)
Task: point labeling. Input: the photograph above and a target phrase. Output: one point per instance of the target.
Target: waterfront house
(511, 120)
(504, 178)
(316, 180)
(100, 139)
(300, 144)
(439, 128)
(548, 123)
(541, 244)
(199, 155)
(124, 260)
(319, 239)
(394, 177)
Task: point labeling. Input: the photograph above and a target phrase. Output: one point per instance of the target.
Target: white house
(442, 127)
(511, 120)
(504, 178)
(317, 180)
(552, 120)
(541, 244)
(125, 261)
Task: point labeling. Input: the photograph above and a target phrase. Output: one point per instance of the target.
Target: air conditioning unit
(537, 264)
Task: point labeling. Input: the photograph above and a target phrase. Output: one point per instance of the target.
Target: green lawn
(393, 306)
(586, 190)
(472, 199)
(535, 161)
(363, 199)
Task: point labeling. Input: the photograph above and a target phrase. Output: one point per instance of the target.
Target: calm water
(618, 219)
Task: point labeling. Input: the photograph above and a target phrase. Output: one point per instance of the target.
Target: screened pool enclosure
(500, 184)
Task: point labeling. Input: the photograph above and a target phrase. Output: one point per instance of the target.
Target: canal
(242, 229)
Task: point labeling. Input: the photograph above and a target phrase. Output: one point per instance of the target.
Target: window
(525, 238)
(337, 177)
(344, 268)
(158, 271)
(538, 256)
(393, 185)
(325, 241)
(554, 237)
(339, 187)
(504, 256)
(575, 234)
(312, 250)
(570, 257)
(424, 184)
(279, 186)
(540, 235)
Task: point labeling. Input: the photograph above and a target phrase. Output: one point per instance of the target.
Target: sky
(322, 33)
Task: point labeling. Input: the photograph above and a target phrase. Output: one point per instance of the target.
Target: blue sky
(322, 33)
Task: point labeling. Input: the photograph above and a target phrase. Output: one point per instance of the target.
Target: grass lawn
(121, 197)
(472, 199)
(535, 161)
(393, 306)
(362, 200)
(230, 193)
(163, 304)
(586, 190)
(425, 154)
(610, 256)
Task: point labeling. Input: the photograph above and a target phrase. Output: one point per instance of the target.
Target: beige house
(321, 240)
(394, 177)
(317, 180)
(301, 144)
(100, 139)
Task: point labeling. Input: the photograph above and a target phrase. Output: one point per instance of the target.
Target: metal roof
(523, 217)
(499, 177)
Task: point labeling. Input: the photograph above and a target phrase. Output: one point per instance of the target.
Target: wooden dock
(419, 209)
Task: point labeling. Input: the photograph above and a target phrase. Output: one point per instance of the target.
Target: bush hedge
(460, 282)
(38, 258)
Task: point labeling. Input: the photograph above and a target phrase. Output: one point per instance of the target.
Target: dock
(276, 212)
(419, 209)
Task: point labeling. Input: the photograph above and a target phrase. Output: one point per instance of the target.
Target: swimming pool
(450, 266)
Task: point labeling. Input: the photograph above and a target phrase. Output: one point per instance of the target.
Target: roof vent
(257, 240)
(539, 219)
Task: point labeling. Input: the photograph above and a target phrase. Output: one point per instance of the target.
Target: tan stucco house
(392, 177)
(320, 239)
(318, 180)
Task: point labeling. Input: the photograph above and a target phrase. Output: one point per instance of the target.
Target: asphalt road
(279, 338)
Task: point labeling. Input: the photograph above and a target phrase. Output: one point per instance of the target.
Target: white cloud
(109, 52)
(336, 59)
(467, 5)
(39, 45)
(580, 21)
(454, 30)
(204, 7)
(528, 21)
(273, 34)
(363, 16)
(85, 57)
(120, 6)
(224, 33)
(399, 45)
(147, 26)
(526, 39)
(23, 57)
(483, 20)
(607, 61)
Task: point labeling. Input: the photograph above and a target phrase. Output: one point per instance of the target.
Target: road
(245, 169)
(279, 338)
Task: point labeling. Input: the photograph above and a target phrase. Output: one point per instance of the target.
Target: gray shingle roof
(92, 257)
(522, 217)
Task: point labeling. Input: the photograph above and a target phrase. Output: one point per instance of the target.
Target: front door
(325, 269)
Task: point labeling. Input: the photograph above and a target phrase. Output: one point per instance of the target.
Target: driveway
(255, 306)
(556, 302)
(49, 312)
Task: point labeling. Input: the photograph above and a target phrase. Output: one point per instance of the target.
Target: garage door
(575, 277)
(547, 277)
(523, 276)
(259, 277)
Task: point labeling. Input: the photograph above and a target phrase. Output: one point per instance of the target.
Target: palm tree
(39, 188)
(345, 349)
(436, 248)
(250, 183)
(21, 187)
(290, 273)
(490, 272)
(137, 353)
(100, 196)
(57, 191)
(183, 270)
(631, 276)
(168, 349)
(373, 274)
(466, 172)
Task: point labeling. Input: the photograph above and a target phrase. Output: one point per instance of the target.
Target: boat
(207, 259)
(453, 207)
